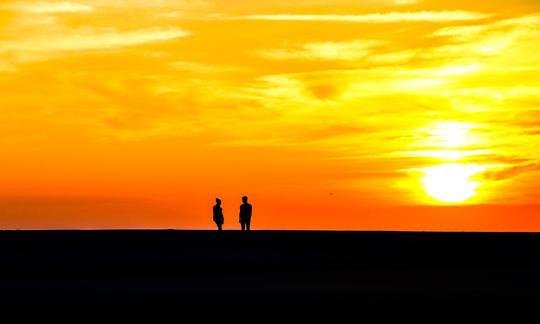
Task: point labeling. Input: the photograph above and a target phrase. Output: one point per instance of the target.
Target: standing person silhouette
(218, 214)
(245, 214)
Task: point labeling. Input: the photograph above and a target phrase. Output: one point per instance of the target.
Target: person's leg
(243, 225)
(219, 227)
(248, 224)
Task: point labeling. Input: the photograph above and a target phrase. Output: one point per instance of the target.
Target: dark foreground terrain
(268, 267)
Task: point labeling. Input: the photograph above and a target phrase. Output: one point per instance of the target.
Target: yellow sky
(309, 107)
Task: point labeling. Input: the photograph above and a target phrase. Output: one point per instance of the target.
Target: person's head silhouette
(218, 201)
(244, 199)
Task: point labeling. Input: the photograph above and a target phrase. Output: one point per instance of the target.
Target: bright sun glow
(451, 183)
(451, 134)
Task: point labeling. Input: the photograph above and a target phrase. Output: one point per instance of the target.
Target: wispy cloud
(406, 2)
(510, 171)
(96, 39)
(42, 7)
(326, 51)
(389, 17)
(203, 68)
(463, 33)
(58, 41)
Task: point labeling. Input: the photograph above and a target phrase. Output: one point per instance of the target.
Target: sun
(451, 183)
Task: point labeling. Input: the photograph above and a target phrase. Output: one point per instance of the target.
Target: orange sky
(374, 114)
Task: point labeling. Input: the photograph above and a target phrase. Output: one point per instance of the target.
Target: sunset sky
(342, 114)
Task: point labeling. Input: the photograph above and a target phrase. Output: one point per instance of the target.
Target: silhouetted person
(245, 214)
(218, 214)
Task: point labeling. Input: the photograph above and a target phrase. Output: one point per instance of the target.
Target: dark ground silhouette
(205, 267)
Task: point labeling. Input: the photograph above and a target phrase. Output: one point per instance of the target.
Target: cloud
(91, 38)
(406, 2)
(488, 39)
(459, 50)
(61, 41)
(194, 67)
(42, 7)
(151, 4)
(506, 172)
(324, 51)
(392, 58)
(462, 33)
(389, 17)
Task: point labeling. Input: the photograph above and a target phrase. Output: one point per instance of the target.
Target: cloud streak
(374, 18)
(506, 172)
(324, 51)
(85, 39)
(42, 7)
(89, 39)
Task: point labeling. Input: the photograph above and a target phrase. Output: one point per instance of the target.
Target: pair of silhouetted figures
(245, 214)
